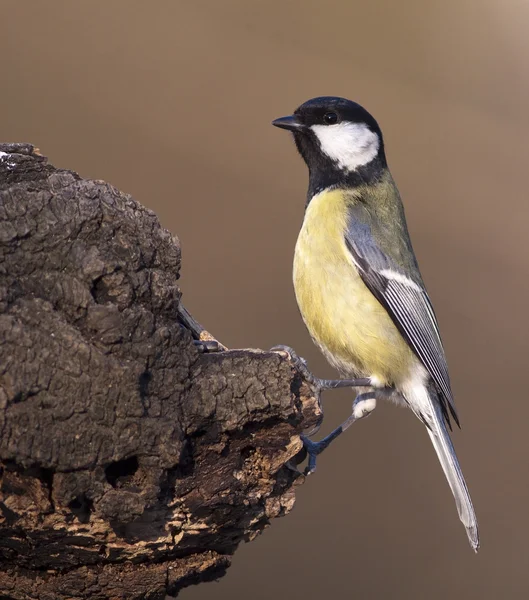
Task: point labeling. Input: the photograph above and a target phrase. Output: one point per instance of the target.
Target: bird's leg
(363, 406)
(319, 384)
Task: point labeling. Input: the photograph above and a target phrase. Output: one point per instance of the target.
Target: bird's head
(337, 138)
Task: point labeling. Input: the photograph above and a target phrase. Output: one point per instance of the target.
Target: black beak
(292, 123)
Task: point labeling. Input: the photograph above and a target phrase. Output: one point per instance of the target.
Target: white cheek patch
(349, 145)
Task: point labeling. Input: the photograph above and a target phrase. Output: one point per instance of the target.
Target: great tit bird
(358, 285)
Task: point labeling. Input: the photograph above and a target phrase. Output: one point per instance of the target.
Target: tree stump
(132, 463)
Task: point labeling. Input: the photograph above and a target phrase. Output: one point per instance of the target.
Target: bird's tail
(430, 412)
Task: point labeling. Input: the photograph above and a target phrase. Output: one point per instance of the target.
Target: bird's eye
(330, 118)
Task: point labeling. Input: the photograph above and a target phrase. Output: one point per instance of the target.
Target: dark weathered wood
(131, 464)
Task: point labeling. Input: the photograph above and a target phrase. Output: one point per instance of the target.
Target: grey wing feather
(407, 304)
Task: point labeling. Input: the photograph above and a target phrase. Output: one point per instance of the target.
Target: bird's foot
(363, 406)
(314, 449)
(299, 363)
(320, 384)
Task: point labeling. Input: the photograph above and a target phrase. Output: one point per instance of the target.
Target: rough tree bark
(131, 464)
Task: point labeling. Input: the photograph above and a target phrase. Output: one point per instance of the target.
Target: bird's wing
(407, 304)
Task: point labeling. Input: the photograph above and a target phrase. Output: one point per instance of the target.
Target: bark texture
(131, 464)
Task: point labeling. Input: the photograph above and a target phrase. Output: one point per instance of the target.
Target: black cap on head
(323, 111)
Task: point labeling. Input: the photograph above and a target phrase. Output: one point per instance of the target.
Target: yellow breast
(343, 317)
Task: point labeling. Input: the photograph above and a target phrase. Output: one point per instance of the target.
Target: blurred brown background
(172, 102)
